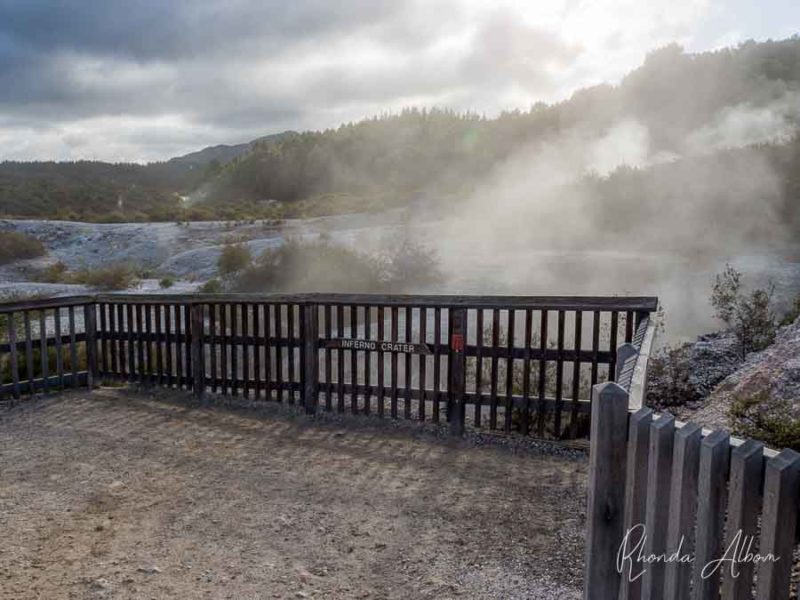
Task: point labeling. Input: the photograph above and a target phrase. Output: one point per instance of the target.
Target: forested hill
(689, 106)
(672, 95)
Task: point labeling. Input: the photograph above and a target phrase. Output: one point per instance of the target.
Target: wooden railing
(499, 363)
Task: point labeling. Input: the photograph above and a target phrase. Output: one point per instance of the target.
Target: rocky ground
(769, 376)
(134, 495)
(702, 380)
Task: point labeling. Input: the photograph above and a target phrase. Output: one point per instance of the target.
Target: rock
(151, 570)
(100, 584)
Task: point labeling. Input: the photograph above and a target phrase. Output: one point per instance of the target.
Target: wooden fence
(677, 512)
(500, 363)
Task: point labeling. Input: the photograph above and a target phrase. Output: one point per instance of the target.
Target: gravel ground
(132, 495)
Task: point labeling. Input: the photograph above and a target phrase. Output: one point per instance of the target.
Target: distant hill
(222, 153)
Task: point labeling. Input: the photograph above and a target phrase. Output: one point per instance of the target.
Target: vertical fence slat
(328, 361)
(682, 508)
(44, 358)
(26, 318)
(604, 512)
(224, 342)
(290, 311)
(14, 361)
(612, 345)
(178, 346)
(340, 360)
(113, 347)
(245, 309)
(367, 361)
(423, 361)
(168, 328)
(540, 409)
(778, 524)
(267, 352)
(559, 375)
(509, 405)
(235, 326)
(576, 374)
(393, 362)
(494, 369)
(149, 344)
(198, 375)
(638, 453)
(409, 316)
(256, 308)
(381, 361)
(310, 356)
(73, 346)
(437, 362)
(478, 366)
(354, 360)
(744, 498)
(457, 367)
(187, 336)
(130, 338)
(525, 412)
(140, 343)
(104, 329)
(290, 349)
(59, 347)
(712, 480)
(659, 473)
(160, 346)
(90, 329)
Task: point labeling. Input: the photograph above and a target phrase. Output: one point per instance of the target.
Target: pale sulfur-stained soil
(120, 494)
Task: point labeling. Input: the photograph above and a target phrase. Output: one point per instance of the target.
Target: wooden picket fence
(694, 499)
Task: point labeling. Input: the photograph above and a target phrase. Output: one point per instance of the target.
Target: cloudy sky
(140, 80)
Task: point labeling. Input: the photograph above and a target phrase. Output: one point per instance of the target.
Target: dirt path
(124, 496)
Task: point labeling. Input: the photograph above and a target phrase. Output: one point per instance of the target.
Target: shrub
(212, 286)
(316, 266)
(669, 379)
(19, 246)
(166, 283)
(409, 265)
(323, 266)
(765, 418)
(792, 314)
(234, 258)
(749, 316)
(114, 277)
(55, 273)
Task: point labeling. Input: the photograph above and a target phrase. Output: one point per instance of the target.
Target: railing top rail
(42, 303)
(601, 303)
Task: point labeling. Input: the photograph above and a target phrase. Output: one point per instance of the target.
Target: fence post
(457, 363)
(606, 502)
(90, 327)
(310, 372)
(198, 362)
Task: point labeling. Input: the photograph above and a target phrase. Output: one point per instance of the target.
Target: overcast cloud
(140, 80)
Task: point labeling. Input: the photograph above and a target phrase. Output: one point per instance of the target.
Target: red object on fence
(457, 342)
